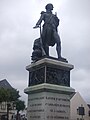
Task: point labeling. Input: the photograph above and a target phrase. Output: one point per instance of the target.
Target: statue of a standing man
(49, 34)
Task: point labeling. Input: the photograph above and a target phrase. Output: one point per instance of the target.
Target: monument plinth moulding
(48, 90)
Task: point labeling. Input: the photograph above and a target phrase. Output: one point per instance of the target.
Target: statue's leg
(46, 48)
(58, 44)
(44, 38)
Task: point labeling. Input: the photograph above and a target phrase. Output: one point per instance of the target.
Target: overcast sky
(17, 18)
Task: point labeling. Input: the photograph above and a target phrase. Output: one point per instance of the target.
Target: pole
(82, 117)
(7, 111)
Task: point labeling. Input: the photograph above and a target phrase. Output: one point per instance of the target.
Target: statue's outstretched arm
(39, 22)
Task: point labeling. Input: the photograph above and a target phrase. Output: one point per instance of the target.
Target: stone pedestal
(49, 90)
(49, 71)
(48, 102)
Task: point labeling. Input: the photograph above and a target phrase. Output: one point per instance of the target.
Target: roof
(88, 105)
(5, 84)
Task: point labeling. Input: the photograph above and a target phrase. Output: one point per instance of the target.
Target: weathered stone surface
(49, 71)
(48, 102)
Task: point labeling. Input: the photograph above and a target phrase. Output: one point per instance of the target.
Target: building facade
(6, 108)
(4, 111)
(78, 108)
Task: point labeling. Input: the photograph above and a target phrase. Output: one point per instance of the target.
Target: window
(3, 106)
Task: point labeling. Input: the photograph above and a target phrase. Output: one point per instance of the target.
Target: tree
(20, 105)
(2, 94)
(8, 95)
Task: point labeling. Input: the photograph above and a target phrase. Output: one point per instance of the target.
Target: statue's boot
(58, 49)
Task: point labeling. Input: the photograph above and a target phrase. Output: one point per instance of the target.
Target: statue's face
(49, 7)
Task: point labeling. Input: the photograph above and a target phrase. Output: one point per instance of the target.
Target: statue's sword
(43, 51)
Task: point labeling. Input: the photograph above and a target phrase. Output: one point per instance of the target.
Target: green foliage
(12, 95)
(2, 94)
(20, 105)
(8, 95)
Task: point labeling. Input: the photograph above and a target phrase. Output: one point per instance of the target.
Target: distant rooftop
(88, 105)
(5, 84)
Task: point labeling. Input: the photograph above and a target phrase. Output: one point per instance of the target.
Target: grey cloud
(17, 19)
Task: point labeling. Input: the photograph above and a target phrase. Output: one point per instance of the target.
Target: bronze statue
(49, 34)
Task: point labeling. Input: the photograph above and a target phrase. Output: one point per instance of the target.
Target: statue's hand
(37, 26)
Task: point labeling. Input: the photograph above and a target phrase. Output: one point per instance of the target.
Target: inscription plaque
(48, 106)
